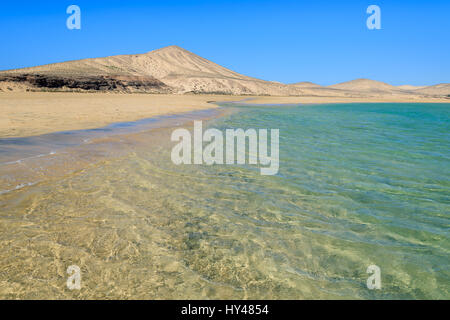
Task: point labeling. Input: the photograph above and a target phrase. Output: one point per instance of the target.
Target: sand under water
(359, 184)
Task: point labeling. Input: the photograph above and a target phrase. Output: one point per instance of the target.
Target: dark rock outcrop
(89, 83)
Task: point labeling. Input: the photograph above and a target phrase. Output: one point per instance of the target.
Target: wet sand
(25, 161)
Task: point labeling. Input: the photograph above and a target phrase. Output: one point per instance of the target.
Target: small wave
(20, 186)
(28, 158)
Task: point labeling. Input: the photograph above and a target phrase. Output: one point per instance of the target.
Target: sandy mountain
(442, 89)
(171, 68)
(364, 85)
(315, 90)
(176, 70)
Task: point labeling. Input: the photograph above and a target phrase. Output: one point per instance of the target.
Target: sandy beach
(35, 113)
(29, 114)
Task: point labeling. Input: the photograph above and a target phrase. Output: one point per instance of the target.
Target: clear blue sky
(288, 41)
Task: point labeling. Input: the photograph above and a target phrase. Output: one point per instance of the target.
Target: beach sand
(29, 114)
(36, 113)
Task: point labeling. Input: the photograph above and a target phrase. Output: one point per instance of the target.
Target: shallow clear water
(359, 184)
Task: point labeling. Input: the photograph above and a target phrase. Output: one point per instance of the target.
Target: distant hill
(306, 84)
(409, 87)
(442, 89)
(364, 85)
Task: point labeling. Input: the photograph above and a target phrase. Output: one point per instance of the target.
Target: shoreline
(310, 100)
(28, 161)
(37, 113)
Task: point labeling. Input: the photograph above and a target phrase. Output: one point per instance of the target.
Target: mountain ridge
(176, 70)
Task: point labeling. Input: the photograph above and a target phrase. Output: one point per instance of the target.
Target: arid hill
(176, 70)
(410, 87)
(442, 89)
(306, 84)
(365, 85)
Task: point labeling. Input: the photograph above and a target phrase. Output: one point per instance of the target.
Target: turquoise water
(358, 185)
(369, 184)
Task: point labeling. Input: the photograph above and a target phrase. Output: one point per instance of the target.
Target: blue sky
(288, 41)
